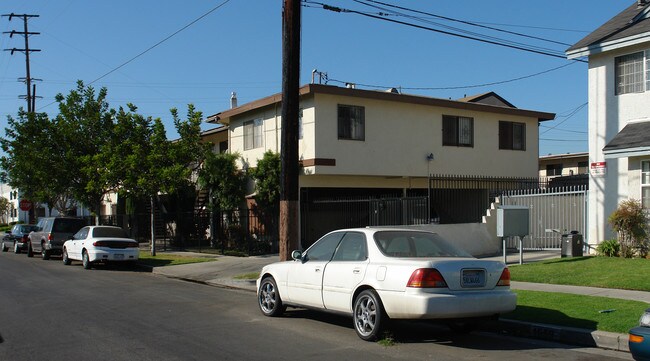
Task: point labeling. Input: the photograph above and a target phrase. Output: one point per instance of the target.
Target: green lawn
(588, 312)
(166, 259)
(606, 272)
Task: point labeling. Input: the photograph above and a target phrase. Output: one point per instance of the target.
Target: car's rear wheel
(4, 247)
(66, 259)
(85, 260)
(369, 317)
(16, 248)
(30, 251)
(45, 253)
(269, 298)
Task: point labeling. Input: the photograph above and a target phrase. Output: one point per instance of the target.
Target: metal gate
(553, 212)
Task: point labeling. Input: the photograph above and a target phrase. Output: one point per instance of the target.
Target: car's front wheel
(45, 253)
(66, 259)
(268, 298)
(30, 251)
(85, 260)
(16, 248)
(4, 247)
(369, 317)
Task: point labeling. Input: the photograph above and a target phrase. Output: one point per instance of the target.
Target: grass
(166, 259)
(605, 272)
(247, 276)
(588, 312)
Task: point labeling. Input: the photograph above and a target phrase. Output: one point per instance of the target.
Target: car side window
(324, 248)
(352, 248)
(82, 234)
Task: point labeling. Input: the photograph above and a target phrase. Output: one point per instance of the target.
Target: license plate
(118, 256)
(473, 278)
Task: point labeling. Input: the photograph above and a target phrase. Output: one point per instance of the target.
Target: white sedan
(377, 274)
(100, 244)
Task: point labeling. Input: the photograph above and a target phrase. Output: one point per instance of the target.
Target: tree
(84, 127)
(33, 160)
(267, 181)
(5, 208)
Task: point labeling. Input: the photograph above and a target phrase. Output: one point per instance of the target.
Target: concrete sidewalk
(227, 271)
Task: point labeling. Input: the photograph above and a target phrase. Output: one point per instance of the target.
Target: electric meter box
(513, 221)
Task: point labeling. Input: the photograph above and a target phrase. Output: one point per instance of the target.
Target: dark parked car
(17, 238)
(639, 338)
(51, 233)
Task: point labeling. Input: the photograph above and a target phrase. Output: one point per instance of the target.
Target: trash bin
(572, 244)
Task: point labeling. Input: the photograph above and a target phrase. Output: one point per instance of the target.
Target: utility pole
(31, 92)
(289, 187)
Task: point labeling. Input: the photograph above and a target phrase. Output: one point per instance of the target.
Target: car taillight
(426, 278)
(635, 338)
(504, 280)
(100, 244)
(132, 245)
(25, 238)
(49, 237)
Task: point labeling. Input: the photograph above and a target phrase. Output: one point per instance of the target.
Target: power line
(455, 87)
(162, 41)
(500, 42)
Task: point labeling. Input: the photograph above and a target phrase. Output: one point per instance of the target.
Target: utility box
(513, 221)
(572, 244)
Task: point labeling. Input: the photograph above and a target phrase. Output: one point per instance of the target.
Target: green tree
(32, 158)
(84, 128)
(267, 181)
(223, 181)
(5, 208)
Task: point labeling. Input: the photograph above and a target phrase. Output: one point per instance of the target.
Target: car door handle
(356, 271)
(316, 269)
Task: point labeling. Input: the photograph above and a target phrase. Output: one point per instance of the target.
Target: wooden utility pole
(31, 92)
(289, 187)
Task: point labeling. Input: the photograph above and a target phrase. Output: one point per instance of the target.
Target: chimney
(233, 100)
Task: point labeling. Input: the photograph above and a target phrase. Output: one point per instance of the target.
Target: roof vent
(392, 90)
(350, 85)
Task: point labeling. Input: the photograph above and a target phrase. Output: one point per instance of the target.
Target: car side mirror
(296, 255)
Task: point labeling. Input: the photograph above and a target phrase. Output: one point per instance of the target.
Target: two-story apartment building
(354, 140)
(619, 114)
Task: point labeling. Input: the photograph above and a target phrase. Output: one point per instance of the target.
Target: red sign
(598, 168)
(25, 205)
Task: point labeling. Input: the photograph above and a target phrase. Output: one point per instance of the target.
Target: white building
(619, 114)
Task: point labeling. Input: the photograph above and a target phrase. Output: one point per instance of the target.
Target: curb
(566, 335)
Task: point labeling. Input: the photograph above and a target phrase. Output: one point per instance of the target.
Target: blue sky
(237, 47)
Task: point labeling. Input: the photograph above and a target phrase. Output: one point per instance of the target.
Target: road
(49, 311)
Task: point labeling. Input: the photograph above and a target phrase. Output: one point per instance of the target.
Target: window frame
(349, 127)
(645, 184)
(452, 134)
(253, 134)
(507, 135)
(629, 73)
(553, 168)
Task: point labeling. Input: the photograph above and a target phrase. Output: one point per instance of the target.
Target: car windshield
(109, 232)
(416, 244)
(27, 229)
(67, 225)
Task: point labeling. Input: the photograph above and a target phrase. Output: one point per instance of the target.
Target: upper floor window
(253, 134)
(583, 167)
(630, 73)
(352, 122)
(457, 131)
(553, 170)
(645, 184)
(512, 135)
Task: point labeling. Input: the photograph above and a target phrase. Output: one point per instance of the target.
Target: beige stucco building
(352, 138)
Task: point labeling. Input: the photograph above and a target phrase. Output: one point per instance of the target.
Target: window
(223, 146)
(351, 248)
(512, 135)
(457, 131)
(352, 122)
(253, 134)
(629, 73)
(645, 184)
(324, 248)
(553, 169)
(583, 167)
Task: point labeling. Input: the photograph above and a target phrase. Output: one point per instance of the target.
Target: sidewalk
(224, 270)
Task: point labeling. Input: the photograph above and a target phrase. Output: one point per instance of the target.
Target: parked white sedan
(377, 274)
(100, 244)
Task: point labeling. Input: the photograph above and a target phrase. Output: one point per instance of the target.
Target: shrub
(609, 248)
(630, 222)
